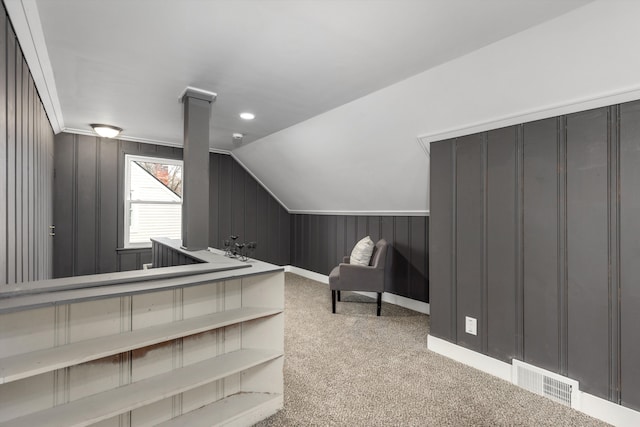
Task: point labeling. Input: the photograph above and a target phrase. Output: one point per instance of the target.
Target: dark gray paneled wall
(534, 232)
(624, 244)
(165, 256)
(89, 206)
(26, 168)
(319, 242)
(241, 206)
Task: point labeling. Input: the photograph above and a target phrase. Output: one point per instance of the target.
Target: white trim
(589, 404)
(581, 104)
(419, 306)
(26, 23)
(471, 358)
(609, 412)
(219, 151)
(124, 137)
(366, 213)
(308, 274)
(204, 95)
(141, 140)
(411, 304)
(426, 148)
(128, 159)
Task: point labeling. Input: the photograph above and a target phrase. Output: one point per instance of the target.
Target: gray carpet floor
(355, 369)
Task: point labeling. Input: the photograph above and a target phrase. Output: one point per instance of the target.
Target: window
(153, 200)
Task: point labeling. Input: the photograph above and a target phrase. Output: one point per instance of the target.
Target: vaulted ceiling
(311, 71)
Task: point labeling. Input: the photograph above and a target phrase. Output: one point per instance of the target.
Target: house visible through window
(153, 199)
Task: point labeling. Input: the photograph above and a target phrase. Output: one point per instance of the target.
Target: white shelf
(73, 295)
(101, 406)
(75, 356)
(248, 407)
(26, 365)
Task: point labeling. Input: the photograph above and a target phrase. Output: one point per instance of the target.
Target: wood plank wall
(89, 206)
(241, 206)
(319, 242)
(534, 231)
(26, 168)
(165, 256)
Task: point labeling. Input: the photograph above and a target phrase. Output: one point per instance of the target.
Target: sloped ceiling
(575, 62)
(341, 89)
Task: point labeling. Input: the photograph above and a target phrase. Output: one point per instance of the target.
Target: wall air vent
(544, 383)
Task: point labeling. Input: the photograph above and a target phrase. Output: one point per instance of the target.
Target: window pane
(155, 181)
(154, 220)
(153, 200)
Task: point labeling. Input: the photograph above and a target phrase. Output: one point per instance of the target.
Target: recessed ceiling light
(106, 131)
(247, 116)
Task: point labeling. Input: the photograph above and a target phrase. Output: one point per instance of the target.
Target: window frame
(128, 159)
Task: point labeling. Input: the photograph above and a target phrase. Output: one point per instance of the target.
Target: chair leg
(339, 296)
(333, 301)
(379, 302)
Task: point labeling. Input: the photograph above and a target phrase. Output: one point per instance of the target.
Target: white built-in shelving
(204, 351)
(251, 407)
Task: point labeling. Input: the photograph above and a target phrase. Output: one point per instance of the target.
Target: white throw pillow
(361, 253)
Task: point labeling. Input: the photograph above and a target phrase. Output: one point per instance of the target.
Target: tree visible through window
(169, 175)
(153, 199)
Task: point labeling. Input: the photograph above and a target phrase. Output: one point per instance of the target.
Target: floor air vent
(548, 384)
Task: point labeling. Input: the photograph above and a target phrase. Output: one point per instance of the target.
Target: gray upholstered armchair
(370, 278)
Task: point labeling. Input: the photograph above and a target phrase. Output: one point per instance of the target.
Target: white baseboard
(411, 304)
(471, 358)
(591, 405)
(609, 412)
(419, 306)
(308, 274)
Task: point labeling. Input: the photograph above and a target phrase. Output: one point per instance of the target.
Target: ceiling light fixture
(237, 136)
(247, 116)
(106, 131)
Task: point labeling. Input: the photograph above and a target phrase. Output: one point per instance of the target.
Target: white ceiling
(125, 62)
(341, 89)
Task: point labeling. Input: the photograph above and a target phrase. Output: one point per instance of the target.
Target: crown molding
(26, 23)
(142, 140)
(573, 106)
(360, 213)
(201, 94)
(424, 147)
(123, 137)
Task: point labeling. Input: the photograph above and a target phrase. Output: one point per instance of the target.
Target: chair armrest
(361, 278)
(346, 260)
